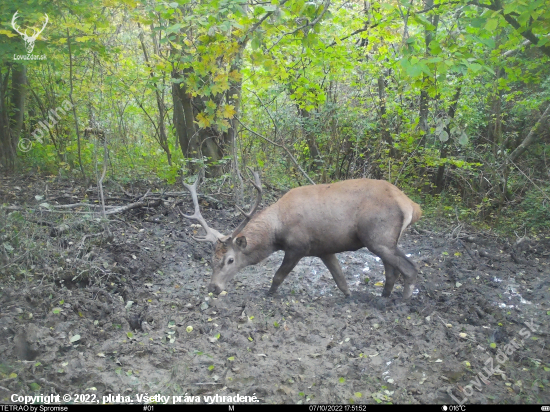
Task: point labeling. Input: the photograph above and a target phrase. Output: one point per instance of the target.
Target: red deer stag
(318, 220)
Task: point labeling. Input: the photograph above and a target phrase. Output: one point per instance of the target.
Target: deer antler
(258, 186)
(13, 24)
(212, 235)
(35, 35)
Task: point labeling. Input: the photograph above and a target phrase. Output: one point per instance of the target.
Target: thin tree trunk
(7, 157)
(18, 98)
(45, 116)
(495, 127)
(310, 140)
(424, 96)
(74, 108)
(162, 138)
(439, 180)
(386, 135)
(234, 98)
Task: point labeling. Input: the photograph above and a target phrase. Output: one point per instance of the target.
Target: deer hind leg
(397, 259)
(391, 276)
(392, 256)
(290, 260)
(331, 262)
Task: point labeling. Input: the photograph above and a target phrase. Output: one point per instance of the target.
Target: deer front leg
(288, 264)
(331, 262)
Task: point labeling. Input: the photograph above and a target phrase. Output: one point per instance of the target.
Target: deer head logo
(29, 40)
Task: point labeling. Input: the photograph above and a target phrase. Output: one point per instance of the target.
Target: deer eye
(230, 260)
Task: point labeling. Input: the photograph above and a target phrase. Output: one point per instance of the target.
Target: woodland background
(449, 100)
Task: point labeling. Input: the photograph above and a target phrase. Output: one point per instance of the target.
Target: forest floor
(83, 315)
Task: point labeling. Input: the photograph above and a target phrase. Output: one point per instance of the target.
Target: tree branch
(496, 5)
(256, 25)
(313, 23)
(530, 137)
(355, 32)
(278, 145)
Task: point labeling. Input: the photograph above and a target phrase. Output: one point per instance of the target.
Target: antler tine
(212, 235)
(258, 186)
(13, 23)
(43, 26)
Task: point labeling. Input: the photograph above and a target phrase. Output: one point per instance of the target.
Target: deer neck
(260, 236)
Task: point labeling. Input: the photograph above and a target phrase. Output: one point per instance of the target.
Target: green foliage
(339, 90)
(533, 212)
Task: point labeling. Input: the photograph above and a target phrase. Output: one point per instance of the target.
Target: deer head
(228, 257)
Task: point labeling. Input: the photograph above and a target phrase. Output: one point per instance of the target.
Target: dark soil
(114, 316)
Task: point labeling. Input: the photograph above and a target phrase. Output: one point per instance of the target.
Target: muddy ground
(113, 315)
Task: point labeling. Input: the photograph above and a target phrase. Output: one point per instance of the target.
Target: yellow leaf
(223, 124)
(203, 120)
(211, 105)
(8, 33)
(228, 111)
(379, 284)
(235, 75)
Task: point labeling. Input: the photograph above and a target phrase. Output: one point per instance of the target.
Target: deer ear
(241, 242)
(222, 244)
(225, 240)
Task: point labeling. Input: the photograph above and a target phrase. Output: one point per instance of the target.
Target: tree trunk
(7, 156)
(495, 127)
(424, 96)
(230, 137)
(439, 180)
(162, 138)
(12, 112)
(386, 135)
(314, 154)
(74, 109)
(194, 142)
(18, 97)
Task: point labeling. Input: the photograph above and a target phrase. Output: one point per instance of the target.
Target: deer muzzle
(214, 288)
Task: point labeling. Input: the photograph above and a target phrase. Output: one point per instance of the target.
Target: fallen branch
(65, 227)
(143, 203)
(75, 205)
(40, 222)
(59, 230)
(81, 245)
(123, 190)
